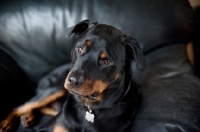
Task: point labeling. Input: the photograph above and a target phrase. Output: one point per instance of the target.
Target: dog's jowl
(101, 97)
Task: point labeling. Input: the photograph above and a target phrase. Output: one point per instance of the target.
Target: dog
(99, 93)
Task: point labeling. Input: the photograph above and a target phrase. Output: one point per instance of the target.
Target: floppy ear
(80, 28)
(140, 60)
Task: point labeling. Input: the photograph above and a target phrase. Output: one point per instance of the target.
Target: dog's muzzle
(74, 80)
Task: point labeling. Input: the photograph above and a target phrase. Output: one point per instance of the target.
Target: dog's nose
(75, 82)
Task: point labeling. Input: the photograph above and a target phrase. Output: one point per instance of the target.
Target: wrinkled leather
(37, 28)
(33, 33)
(170, 93)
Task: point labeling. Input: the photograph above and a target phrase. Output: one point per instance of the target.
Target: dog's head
(101, 58)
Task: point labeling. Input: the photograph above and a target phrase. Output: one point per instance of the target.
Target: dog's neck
(127, 90)
(128, 78)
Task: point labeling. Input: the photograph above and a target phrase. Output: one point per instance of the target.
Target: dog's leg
(48, 111)
(28, 118)
(10, 122)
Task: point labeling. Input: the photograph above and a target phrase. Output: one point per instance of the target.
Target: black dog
(102, 96)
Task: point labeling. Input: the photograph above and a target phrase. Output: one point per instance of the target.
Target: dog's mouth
(89, 91)
(92, 96)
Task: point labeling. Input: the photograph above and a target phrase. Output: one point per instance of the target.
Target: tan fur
(34, 105)
(99, 86)
(103, 55)
(16, 113)
(58, 128)
(48, 111)
(117, 76)
(88, 42)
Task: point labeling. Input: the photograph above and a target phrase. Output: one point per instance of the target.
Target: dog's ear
(137, 53)
(79, 28)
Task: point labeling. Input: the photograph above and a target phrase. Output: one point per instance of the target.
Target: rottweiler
(99, 93)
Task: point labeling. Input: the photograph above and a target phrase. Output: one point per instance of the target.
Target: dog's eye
(80, 49)
(107, 61)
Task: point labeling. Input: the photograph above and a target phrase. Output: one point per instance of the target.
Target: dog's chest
(79, 118)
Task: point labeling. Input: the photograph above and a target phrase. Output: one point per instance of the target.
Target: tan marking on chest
(58, 128)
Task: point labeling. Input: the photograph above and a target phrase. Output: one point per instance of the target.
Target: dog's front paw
(27, 119)
(6, 126)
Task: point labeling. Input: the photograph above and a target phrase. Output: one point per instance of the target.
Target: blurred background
(194, 47)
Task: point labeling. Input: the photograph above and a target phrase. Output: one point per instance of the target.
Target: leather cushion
(33, 32)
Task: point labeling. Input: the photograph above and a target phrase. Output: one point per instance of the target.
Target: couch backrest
(33, 32)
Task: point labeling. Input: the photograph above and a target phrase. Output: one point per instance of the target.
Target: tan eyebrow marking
(88, 42)
(103, 55)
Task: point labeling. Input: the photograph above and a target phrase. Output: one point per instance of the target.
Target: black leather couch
(196, 41)
(33, 43)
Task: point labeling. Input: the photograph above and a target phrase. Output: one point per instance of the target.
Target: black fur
(114, 105)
